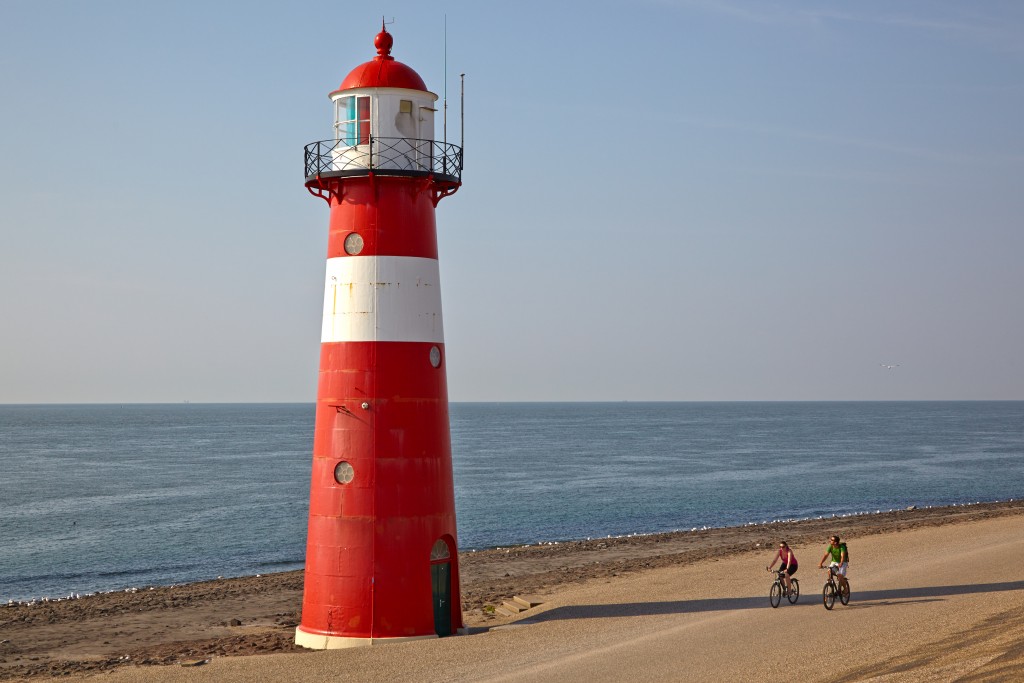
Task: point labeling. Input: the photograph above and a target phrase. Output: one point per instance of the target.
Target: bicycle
(778, 589)
(831, 589)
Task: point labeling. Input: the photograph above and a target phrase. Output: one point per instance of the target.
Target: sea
(113, 497)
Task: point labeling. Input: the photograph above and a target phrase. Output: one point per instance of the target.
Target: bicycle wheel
(794, 591)
(828, 595)
(844, 594)
(775, 594)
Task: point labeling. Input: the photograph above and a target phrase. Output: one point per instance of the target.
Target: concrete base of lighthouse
(318, 641)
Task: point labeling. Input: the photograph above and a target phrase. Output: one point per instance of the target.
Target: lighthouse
(382, 551)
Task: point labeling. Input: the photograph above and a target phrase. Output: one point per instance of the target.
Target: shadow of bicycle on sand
(862, 599)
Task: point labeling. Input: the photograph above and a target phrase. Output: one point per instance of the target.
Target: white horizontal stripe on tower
(382, 298)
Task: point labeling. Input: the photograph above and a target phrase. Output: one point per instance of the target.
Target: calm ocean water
(104, 497)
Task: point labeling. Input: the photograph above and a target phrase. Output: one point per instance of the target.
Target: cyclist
(789, 563)
(840, 560)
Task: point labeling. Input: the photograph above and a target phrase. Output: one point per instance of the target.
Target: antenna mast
(445, 139)
(462, 113)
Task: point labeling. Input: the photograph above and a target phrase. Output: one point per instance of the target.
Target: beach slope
(937, 595)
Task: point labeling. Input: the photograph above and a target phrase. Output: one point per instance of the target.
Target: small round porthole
(343, 472)
(435, 356)
(353, 243)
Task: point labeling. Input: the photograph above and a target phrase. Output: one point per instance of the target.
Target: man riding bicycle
(840, 560)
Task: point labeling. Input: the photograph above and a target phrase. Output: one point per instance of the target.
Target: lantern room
(383, 98)
(383, 125)
(383, 117)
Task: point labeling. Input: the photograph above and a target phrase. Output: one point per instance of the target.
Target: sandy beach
(937, 595)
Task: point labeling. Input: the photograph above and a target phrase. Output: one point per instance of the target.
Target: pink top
(785, 554)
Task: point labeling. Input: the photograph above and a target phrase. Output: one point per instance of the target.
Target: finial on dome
(383, 42)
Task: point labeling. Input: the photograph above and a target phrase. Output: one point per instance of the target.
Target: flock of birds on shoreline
(77, 596)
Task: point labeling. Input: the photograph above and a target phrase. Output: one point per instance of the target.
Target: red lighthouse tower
(381, 555)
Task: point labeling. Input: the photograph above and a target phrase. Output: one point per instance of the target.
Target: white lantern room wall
(383, 128)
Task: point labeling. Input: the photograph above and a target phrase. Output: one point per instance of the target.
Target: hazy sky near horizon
(662, 200)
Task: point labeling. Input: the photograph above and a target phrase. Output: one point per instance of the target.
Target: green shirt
(837, 552)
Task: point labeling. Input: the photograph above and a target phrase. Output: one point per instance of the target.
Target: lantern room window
(352, 120)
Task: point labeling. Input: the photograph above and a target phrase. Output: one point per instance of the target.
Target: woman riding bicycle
(789, 563)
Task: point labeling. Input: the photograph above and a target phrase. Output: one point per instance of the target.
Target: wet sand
(695, 600)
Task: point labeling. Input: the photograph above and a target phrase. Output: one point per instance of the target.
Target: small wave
(285, 562)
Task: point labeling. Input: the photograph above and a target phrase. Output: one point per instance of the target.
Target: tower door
(441, 587)
(441, 579)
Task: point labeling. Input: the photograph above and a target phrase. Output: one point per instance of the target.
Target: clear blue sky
(663, 200)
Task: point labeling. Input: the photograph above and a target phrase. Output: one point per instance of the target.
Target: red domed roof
(382, 71)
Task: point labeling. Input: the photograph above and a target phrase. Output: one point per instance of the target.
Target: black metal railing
(401, 156)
